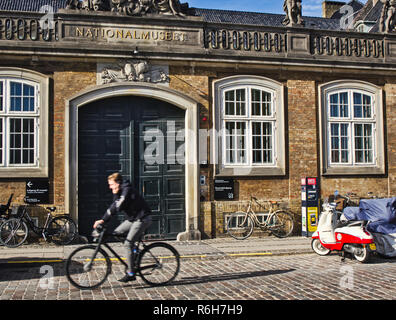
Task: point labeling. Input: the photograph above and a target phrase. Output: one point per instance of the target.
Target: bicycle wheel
(13, 232)
(240, 225)
(158, 263)
(62, 230)
(85, 272)
(282, 224)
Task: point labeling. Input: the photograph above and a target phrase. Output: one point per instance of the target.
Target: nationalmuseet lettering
(129, 34)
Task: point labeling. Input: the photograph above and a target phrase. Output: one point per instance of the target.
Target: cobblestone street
(288, 277)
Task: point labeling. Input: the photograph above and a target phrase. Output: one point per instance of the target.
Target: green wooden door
(162, 175)
(105, 146)
(112, 135)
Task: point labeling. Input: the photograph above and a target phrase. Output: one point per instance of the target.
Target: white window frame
(352, 166)
(276, 118)
(351, 121)
(7, 115)
(39, 166)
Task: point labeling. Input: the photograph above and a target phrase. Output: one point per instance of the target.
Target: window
(249, 127)
(351, 130)
(19, 123)
(351, 127)
(23, 124)
(248, 139)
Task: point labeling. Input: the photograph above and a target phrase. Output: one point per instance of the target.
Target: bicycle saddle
(52, 209)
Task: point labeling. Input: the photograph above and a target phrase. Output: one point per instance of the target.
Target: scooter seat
(350, 223)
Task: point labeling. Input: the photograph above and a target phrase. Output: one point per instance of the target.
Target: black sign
(37, 191)
(224, 189)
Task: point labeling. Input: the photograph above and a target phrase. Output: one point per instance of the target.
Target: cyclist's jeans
(134, 230)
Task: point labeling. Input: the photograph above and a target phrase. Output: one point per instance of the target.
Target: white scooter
(341, 235)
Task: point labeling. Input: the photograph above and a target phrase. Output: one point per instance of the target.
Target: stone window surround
(336, 86)
(219, 86)
(40, 171)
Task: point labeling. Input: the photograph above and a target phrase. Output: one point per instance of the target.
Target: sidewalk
(219, 248)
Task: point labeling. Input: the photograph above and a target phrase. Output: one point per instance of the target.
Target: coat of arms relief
(133, 71)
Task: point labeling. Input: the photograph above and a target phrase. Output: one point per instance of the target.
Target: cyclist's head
(115, 180)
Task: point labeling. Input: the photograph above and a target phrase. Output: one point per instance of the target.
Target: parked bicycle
(88, 266)
(5, 211)
(240, 224)
(59, 229)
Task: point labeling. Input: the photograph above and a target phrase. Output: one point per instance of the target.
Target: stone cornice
(111, 35)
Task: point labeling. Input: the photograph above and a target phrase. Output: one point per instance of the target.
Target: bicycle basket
(16, 212)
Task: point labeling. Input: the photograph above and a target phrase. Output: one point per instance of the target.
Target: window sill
(353, 171)
(23, 172)
(249, 172)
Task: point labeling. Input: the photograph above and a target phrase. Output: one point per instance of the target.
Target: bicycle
(240, 224)
(88, 266)
(5, 210)
(59, 229)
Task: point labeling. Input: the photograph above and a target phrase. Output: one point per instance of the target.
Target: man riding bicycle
(137, 218)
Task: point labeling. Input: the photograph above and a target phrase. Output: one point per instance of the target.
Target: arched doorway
(117, 118)
(143, 139)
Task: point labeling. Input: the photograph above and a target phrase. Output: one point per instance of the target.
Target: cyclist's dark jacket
(130, 202)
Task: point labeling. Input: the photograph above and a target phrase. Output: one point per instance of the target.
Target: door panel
(112, 134)
(168, 178)
(105, 147)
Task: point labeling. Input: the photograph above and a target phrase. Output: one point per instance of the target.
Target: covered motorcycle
(382, 216)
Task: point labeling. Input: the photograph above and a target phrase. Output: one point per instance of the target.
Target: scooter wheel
(362, 254)
(318, 248)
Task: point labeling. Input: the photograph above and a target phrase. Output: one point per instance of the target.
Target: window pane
(16, 96)
(22, 143)
(367, 106)
(362, 107)
(364, 143)
(261, 103)
(339, 143)
(22, 97)
(1, 140)
(230, 103)
(262, 148)
(334, 105)
(235, 102)
(235, 142)
(241, 102)
(344, 113)
(1, 95)
(339, 107)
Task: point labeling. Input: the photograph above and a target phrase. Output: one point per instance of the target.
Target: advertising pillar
(310, 196)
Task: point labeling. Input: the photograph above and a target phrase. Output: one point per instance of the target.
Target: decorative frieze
(339, 46)
(245, 40)
(44, 29)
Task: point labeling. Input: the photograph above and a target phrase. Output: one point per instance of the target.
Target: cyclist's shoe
(127, 278)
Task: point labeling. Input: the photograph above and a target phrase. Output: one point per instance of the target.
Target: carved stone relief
(388, 16)
(131, 7)
(133, 71)
(293, 9)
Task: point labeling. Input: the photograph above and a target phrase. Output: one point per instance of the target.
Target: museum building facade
(201, 109)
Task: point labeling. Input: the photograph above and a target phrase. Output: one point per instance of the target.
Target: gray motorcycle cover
(382, 216)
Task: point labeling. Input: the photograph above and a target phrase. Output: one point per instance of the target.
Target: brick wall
(67, 83)
(390, 100)
(302, 139)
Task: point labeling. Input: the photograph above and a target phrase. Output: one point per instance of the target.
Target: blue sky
(310, 7)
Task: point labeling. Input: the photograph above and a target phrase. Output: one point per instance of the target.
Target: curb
(210, 256)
